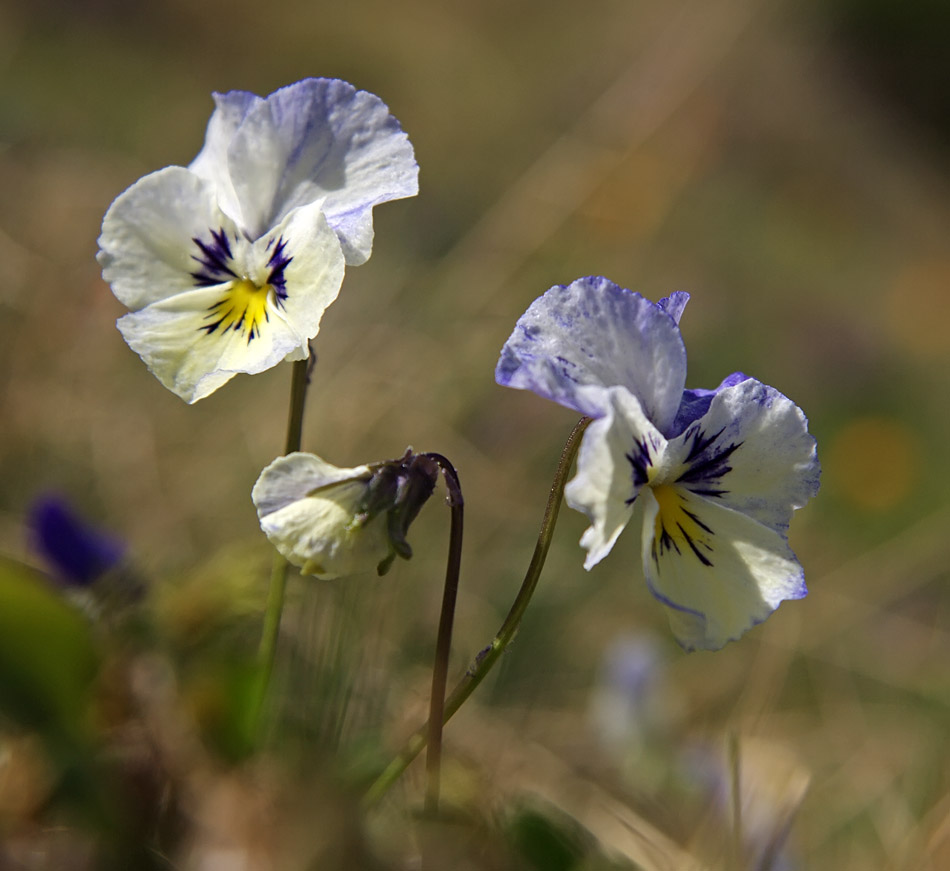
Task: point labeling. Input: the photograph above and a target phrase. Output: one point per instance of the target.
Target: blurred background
(786, 163)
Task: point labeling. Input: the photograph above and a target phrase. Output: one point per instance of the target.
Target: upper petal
(617, 452)
(212, 161)
(752, 452)
(294, 476)
(593, 333)
(718, 571)
(321, 140)
(147, 249)
(695, 403)
(674, 304)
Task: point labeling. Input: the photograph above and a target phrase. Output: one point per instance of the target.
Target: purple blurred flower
(77, 553)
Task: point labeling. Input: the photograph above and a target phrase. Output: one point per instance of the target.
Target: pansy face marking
(228, 265)
(712, 476)
(243, 306)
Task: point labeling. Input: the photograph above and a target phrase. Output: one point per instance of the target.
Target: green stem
(490, 655)
(443, 645)
(270, 632)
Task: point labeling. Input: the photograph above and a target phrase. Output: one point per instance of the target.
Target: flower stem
(490, 655)
(270, 632)
(440, 668)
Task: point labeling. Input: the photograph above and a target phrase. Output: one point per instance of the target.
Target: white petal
(292, 477)
(307, 510)
(314, 274)
(594, 333)
(321, 140)
(171, 339)
(771, 467)
(146, 244)
(212, 161)
(614, 447)
(720, 573)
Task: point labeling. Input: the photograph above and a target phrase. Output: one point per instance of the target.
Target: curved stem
(489, 656)
(440, 668)
(270, 631)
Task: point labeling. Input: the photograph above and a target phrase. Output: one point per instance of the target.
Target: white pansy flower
(710, 476)
(228, 265)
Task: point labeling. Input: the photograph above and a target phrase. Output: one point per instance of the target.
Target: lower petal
(172, 339)
(718, 571)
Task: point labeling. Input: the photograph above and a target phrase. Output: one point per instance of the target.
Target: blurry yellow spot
(243, 309)
(917, 308)
(873, 463)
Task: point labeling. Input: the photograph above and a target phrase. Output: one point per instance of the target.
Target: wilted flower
(713, 475)
(228, 265)
(333, 522)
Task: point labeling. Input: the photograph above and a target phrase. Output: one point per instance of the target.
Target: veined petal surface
(718, 571)
(593, 333)
(751, 451)
(318, 140)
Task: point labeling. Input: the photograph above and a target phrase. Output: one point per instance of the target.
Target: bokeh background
(786, 163)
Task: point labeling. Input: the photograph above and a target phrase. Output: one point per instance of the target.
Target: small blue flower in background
(77, 553)
(629, 703)
(229, 264)
(713, 476)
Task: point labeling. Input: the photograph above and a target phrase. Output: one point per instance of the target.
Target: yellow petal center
(243, 309)
(677, 528)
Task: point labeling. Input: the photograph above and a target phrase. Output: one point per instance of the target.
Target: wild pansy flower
(333, 522)
(712, 475)
(229, 264)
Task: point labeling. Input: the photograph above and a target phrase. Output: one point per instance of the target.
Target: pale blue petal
(321, 140)
(593, 333)
(674, 304)
(752, 452)
(617, 452)
(719, 573)
(212, 161)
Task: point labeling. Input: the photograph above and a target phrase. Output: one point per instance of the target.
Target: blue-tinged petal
(718, 571)
(147, 244)
(593, 333)
(695, 403)
(751, 451)
(196, 341)
(674, 304)
(212, 161)
(617, 454)
(321, 140)
(309, 510)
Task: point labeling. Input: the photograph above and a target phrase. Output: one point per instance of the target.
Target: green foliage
(48, 659)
